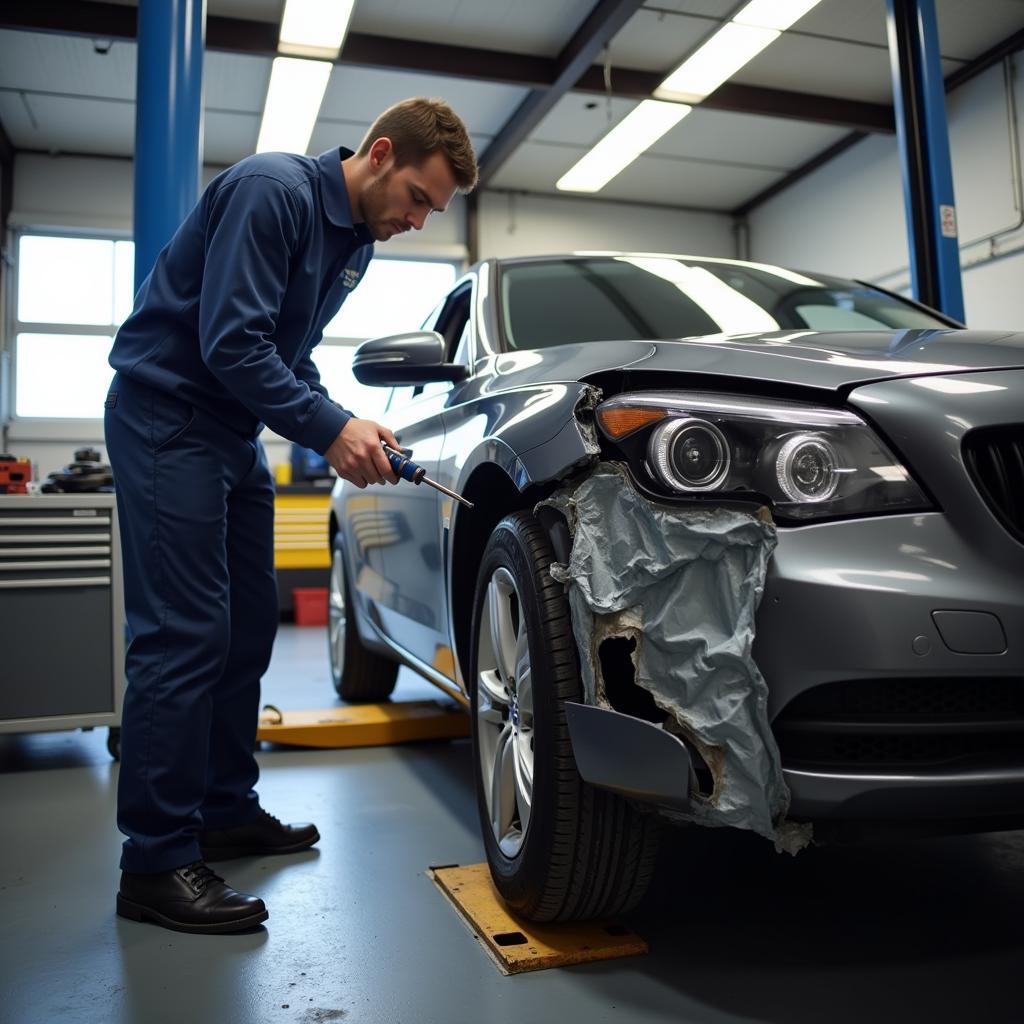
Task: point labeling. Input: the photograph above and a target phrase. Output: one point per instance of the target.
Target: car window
(835, 318)
(564, 301)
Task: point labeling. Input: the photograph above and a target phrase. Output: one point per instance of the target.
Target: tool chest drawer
(61, 612)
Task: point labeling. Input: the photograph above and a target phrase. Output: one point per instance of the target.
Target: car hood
(819, 359)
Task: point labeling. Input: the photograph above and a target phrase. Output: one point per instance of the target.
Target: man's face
(398, 199)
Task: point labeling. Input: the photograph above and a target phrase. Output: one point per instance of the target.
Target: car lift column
(921, 128)
(168, 122)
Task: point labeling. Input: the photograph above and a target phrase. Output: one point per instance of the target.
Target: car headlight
(808, 461)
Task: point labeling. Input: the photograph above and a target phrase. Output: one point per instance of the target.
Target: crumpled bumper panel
(684, 584)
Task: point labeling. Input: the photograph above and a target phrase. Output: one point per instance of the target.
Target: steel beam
(599, 27)
(923, 135)
(752, 99)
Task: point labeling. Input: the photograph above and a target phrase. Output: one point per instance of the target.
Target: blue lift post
(921, 128)
(168, 122)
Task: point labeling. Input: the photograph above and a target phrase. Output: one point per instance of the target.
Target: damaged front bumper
(629, 756)
(681, 586)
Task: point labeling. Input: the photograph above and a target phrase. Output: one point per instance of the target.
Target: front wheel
(359, 675)
(558, 848)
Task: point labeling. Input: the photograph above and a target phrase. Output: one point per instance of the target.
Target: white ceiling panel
(64, 124)
(360, 94)
(709, 135)
(581, 119)
(651, 179)
(234, 81)
(536, 166)
(710, 186)
(824, 67)
(863, 21)
(66, 64)
(767, 142)
(228, 137)
(537, 27)
(657, 40)
(966, 27)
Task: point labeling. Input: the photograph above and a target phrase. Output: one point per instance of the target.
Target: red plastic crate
(310, 606)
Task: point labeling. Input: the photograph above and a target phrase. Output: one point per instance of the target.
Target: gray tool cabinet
(61, 614)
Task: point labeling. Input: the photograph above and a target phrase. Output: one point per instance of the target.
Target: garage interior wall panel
(521, 225)
(848, 217)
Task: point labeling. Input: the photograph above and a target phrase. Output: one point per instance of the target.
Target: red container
(310, 606)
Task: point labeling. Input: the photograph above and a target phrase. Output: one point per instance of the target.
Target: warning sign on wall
(947, 217)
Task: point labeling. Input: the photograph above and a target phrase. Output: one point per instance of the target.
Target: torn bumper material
(683, 585)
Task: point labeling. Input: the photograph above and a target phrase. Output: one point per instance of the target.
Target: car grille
(995, 459)
(900, 724)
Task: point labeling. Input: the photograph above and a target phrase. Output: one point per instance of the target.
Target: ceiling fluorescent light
(637, 131)
(293, 102)
(314, 28)
(717, 60)
(778, 14)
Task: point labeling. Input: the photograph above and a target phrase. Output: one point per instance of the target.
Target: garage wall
(94, 193)
(519, 225)
(847, 218)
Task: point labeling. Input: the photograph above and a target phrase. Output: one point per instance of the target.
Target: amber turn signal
(618, 421)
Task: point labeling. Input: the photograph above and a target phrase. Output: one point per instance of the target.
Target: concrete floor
(925, 931)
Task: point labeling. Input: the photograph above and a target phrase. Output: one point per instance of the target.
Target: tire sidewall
(517, 877)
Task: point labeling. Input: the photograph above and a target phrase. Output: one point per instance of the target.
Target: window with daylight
(72, 294)
(393, 297)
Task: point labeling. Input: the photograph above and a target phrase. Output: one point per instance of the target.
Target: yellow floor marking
(516, 945)
(364, 725)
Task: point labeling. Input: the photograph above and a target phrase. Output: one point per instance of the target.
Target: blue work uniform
(218, 345)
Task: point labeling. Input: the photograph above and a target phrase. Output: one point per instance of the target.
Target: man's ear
(381, 154)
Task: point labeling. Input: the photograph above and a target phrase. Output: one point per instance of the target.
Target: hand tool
(404, 468)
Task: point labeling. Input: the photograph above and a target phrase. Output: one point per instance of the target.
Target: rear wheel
(359, 675)
(558, 849)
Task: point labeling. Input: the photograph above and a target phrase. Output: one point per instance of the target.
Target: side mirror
(399, 359)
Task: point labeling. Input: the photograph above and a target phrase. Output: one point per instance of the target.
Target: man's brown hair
(419, 127)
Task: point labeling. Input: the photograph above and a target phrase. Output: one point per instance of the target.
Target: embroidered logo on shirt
(349, 277)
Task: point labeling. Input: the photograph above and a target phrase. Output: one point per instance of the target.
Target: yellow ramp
(364, 725)
(516, 945)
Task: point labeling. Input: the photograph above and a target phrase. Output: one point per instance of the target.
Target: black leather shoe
(255, 839)
(188, 899)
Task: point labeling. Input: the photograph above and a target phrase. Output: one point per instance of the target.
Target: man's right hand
(357, 456)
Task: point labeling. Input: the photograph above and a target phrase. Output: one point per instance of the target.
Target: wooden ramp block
(364, 725)
(516, 945)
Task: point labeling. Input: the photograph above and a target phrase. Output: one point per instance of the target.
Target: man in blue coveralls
(218, 345)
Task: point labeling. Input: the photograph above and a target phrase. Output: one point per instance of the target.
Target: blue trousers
(196, 509)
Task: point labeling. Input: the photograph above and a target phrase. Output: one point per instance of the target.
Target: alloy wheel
(504, 709)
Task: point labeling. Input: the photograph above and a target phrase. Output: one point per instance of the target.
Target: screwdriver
(404, 468)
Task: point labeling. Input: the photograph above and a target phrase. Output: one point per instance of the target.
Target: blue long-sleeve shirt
(238, 298)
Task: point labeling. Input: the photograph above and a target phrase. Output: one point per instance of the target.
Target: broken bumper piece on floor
(676, 589)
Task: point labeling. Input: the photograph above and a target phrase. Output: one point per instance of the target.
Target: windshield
(606, 298)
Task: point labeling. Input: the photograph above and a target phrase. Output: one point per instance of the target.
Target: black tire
(360, 676)
(586, 853)
(114, 742)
